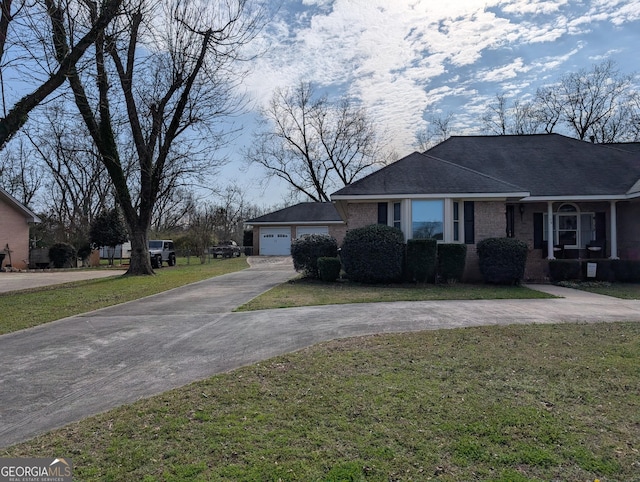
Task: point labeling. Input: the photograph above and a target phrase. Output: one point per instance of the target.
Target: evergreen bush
(564, 270)
(421, 260)
(502, 260)
(306, 250)
(329, 268)
(373, 254)
(61, 255)
(452, 258)
(626, 270)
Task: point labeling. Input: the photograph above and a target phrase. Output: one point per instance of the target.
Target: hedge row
(621, 270)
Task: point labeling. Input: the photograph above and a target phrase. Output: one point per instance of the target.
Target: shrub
(306, 250)
(564, 270)
(329, 268)
(502, 260)
(61, 255)
(626, 270)
(451, 261)
(421, 259)
(373, 254)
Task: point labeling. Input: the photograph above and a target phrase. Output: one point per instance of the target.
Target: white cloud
(403, 57)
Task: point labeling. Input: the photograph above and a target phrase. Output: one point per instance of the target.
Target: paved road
(72, 368)
(37, 279)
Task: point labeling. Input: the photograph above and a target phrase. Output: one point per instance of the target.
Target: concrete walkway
(72, 368)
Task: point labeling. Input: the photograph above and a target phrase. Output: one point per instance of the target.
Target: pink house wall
(14, 231)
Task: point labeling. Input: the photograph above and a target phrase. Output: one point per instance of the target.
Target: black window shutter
(601, 226)
(382, 213)
(469, 223)
(538, 230)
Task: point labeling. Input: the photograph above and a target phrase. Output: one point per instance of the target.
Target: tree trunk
(140, 263)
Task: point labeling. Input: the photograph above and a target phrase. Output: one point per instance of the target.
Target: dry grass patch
(507, 403)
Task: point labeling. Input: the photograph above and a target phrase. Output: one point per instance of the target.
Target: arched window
(568, 225)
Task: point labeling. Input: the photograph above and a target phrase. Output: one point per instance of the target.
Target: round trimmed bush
(329, 268)
(502, 260)
(61, 255)
(373, 254)
(306, 250)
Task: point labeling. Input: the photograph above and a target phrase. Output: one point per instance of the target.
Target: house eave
(457, 195)
(293, 223)
(582, 197)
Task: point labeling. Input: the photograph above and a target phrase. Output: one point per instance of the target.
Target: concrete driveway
(72, 368)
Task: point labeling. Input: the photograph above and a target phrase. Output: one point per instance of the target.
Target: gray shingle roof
(543, 165)
(303, 213)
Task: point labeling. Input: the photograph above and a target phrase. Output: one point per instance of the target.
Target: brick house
(565, 198)
(15, 220)
(470, 188)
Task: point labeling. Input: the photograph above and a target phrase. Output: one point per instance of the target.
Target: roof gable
(542, 165)
(7, 198)
(426, 174)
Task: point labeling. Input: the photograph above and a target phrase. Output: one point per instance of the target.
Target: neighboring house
(273, 233)
(15, 220)
(564, 197)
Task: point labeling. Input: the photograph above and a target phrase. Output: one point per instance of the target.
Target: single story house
(15, 220)
(564, 197)
(274, 232)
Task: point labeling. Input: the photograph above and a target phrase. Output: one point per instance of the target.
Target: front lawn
(19, 310)
(626, 291)
(502, 403)
(308, 292)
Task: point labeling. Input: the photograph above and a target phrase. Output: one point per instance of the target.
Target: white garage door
(302, 230)
(275, 241)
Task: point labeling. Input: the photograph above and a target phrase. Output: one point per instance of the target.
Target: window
(397, 219)
(571, 228)
(427, 219)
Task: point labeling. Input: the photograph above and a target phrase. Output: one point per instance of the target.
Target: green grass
(626, 291)
(307, 292)
(507, 403)
(23, 309)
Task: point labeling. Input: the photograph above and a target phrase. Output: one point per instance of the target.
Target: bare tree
(313, 144)
(438, 130)
(589, 102)
(494, 119)
(174, 70)
(75, 180)
(58, 14)
(19, 175)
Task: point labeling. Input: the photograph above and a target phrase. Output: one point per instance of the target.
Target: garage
(302, 230)
(275, 241)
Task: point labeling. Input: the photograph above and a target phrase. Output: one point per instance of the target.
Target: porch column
(614, 230)
(550, 233)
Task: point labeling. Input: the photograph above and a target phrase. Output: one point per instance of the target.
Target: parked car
(226, 249)
(162, 251)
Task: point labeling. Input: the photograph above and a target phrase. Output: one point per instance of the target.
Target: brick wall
(361, 214)
(14, 231)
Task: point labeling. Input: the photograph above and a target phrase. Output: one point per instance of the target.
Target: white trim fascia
(387, 197)
(598, 197)
(295, 223)
(30, 216)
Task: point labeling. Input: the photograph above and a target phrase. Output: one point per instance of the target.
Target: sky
(408, 60)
